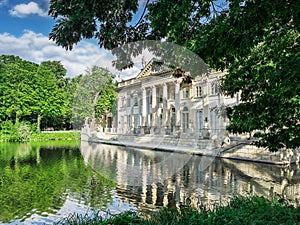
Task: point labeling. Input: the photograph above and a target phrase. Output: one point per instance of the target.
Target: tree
(28, 91)
(256, 42)
(107, 100)
(87, 95)
(63, 84)
(58, 70)
(47, 99)
(16, 87)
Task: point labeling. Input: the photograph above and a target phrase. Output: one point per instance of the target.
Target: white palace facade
(156, 103)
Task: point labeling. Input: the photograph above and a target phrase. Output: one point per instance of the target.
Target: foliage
(28, 91)
(107, 100)
(256, 42)
(24, 131)
(15, 132)
(58, 70)
(255, 210)
(42, 95)
(16, 87)
(95, 86)
(85, 16)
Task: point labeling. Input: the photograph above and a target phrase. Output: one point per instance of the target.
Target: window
(186, 92)
(136, 121)
(160, 97)
(129, 120)
(122, 103)
(199, 123)
(214, 88)
(161, 117)
(171, 93)
(150, 99)
(128, 101)
(135, 102)
(198, 91)
(185, 120)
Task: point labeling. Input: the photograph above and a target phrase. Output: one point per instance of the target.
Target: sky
(24, 29)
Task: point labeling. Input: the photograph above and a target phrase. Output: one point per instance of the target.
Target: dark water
(43, 182)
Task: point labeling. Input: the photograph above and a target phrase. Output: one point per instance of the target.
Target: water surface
(43, 182)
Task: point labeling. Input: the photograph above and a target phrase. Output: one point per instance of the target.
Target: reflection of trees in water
(41, 180)
(175, 182)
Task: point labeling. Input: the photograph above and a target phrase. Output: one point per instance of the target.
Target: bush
(15, 132)
(24, 131)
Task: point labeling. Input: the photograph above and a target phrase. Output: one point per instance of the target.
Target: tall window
(198, 91)
(135, 101)
(171, 93)
(185, 119)
(160, 117)
(160, 97)
(186, 92)
(122, 103)
(136, 120)
(128, 101)
(173, 118)
(129, 120)
(214, 88)
(199, 120)
(149, 102)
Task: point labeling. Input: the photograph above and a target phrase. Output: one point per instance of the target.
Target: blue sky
(24, 29)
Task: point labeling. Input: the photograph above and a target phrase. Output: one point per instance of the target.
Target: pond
(44, 182)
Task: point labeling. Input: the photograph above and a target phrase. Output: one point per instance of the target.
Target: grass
(128, 217)
(241, 210)
(68, 135)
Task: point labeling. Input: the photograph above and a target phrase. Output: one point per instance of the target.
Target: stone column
(154, 108)
(177, 103)
(144, 110)
(165, 97)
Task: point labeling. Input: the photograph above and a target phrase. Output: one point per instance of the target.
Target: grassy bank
(255, 210)
(65, 135)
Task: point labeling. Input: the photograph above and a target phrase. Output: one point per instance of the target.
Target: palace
(156, 102)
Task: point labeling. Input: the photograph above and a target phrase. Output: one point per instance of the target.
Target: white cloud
(24, 10)
(3, 3)
(36, 47)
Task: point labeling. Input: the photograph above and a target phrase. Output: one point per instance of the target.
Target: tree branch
(144, 11)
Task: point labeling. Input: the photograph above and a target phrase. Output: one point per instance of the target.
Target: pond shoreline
(242, 150)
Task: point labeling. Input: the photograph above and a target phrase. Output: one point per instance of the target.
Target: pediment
(152, 68)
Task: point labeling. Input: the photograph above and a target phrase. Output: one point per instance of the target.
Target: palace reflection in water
(152, 179)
